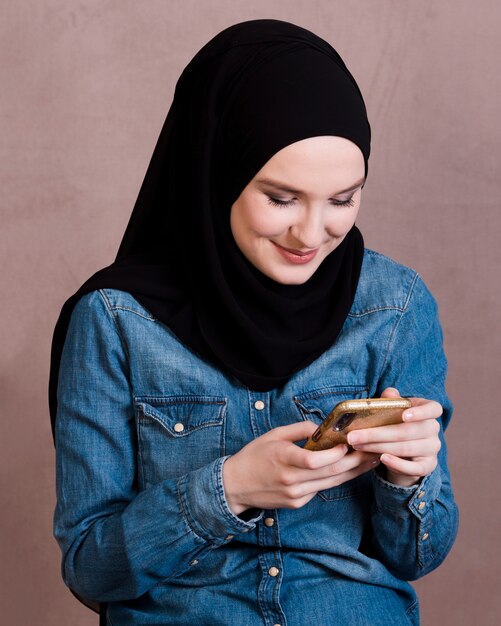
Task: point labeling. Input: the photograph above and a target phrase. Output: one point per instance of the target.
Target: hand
(273, 472)
(408, 450)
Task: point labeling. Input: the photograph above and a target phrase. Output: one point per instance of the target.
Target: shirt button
(269, 521)
(259, 405)
(425, 537)
(420, 494)
(273, 571)
(179, 427)
(229, 537)
(194, 562)
(421, 505)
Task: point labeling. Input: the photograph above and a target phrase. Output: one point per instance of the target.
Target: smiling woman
(289, 243)
(185, 375)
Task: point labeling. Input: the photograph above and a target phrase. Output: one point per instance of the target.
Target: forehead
(316, 162)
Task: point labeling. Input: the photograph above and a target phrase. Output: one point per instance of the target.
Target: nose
(309, 230)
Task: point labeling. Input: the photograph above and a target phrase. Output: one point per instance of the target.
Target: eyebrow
(282, 187)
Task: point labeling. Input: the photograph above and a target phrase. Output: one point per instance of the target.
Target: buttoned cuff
(402, 501)
(205, 508)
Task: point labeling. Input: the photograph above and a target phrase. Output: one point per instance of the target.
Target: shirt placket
(270, 556)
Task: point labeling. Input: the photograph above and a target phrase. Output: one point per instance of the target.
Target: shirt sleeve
(117, 542)
(414, 527)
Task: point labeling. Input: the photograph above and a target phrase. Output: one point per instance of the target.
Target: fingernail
(376, 462)
(408, 415)
(352, 439)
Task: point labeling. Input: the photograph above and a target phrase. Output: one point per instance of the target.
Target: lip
(295, 256)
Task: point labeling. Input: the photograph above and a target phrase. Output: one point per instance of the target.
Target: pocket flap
(181, 415)
(318, 403)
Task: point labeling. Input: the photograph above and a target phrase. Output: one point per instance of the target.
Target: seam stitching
(118, 330)
(184, 510)
(124, 308)
(396, 325)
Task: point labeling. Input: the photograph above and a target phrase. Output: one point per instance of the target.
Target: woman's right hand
(273, 472)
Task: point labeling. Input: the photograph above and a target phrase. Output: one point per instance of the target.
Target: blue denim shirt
(144, 426)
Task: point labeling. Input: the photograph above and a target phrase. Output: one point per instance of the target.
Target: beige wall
(85, 87)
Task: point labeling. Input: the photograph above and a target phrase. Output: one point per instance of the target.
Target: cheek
(269, 226)
(264, 221)
(341, 224)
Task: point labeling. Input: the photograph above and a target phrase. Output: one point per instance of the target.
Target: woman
(241, 308)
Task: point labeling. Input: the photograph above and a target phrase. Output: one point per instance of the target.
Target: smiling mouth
(295, 256)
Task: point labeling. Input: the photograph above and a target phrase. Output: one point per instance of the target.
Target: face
(299, 207)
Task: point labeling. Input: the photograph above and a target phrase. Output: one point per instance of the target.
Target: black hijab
(255, 88)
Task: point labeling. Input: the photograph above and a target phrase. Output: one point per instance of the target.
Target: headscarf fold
(255, 88)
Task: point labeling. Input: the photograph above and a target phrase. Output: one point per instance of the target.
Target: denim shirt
(144, 426)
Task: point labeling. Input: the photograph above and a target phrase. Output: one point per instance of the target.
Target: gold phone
(355, 414)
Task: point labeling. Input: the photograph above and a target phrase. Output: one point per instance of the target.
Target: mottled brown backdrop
(85, 87)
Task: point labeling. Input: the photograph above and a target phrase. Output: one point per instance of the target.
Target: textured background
(85, 87)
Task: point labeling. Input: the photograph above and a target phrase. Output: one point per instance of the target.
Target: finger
(313, 486)
(417, 467)
(422, 409)
(344, 464)
(394, 432)
(349, 462)
(293, 432)
(390, 392)
(314, 459)
(413, 448)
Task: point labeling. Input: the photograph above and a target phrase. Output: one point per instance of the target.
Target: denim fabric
(143, 429)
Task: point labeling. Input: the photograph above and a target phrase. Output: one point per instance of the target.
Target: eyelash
(282, 203)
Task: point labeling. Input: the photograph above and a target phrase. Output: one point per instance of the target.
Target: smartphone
(355, 414)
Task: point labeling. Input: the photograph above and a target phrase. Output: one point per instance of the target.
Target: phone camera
(343, 421)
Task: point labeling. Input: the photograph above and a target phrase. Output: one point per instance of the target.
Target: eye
(348, 202)
(278, 202)
(282, 203)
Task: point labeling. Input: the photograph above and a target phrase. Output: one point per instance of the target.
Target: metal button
(269, 521)
(425, 537)
(259, 405)
(229, 537)
(420, 494)
(194, 562)
(421, 505)
(179, 427)
(273, 571)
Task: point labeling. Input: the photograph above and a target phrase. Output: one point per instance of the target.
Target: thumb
(294, 432)
(390, 392)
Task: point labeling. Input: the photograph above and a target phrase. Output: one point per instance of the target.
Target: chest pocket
(178, 434)
(315, 405)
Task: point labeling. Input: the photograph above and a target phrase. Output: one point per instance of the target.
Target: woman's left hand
(408, 450)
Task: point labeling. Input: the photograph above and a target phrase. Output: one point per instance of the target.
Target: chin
(290, 278)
